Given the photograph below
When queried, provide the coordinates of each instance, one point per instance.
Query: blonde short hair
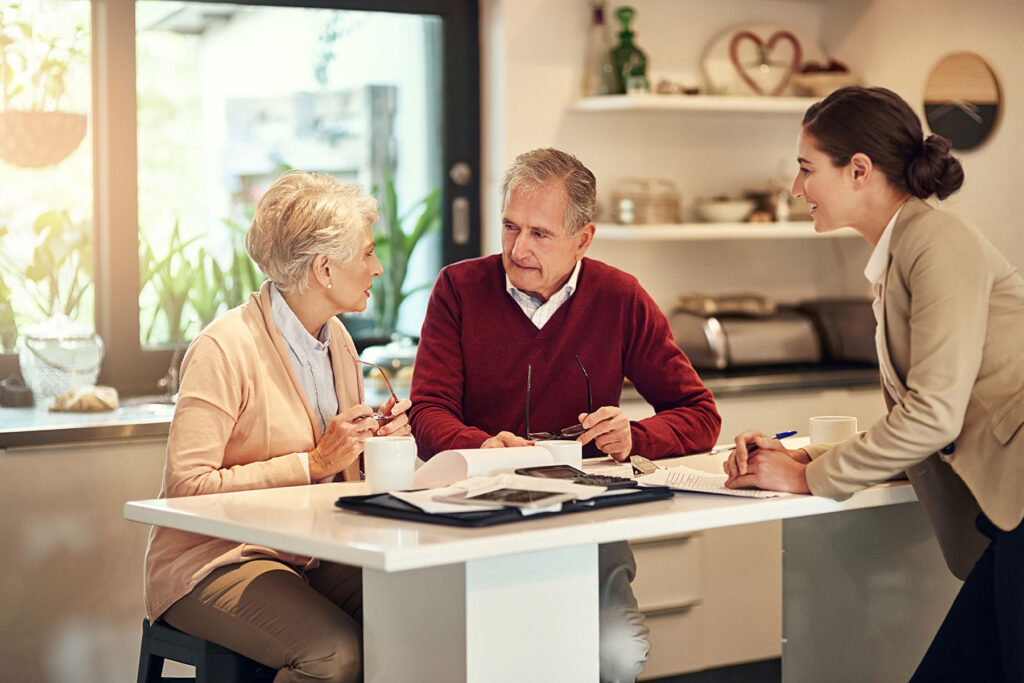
(302, 215)
(541, 167)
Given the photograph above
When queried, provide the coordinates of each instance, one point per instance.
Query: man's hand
(342, 442)
(608, 428)
(504, 440)
(768, 466)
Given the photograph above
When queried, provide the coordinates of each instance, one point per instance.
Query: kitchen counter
(747, 381)
(460, 596)
(789, 377)
(37, 426)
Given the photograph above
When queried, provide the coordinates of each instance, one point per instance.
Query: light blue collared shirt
(310, 357)
(540, 312)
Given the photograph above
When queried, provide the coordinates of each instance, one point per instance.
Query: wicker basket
(35, 139)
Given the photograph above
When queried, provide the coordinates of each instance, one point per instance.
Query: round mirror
(961, 99)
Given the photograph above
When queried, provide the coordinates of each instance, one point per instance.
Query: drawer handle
(670, 607)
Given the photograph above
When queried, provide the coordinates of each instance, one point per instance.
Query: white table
(518, 602)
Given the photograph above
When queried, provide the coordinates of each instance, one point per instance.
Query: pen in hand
(753, 447)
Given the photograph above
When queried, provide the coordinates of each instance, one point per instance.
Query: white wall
(532, 62)
(896, 44)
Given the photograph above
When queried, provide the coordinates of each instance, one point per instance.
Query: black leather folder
(386, 505)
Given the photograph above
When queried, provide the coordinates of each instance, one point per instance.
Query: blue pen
(753, 447)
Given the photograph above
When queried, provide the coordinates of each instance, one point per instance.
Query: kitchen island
(451, 604)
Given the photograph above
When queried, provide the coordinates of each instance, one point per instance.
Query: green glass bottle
(630, 61)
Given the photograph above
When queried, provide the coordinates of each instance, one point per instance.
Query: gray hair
(540, 167)
(302, 215)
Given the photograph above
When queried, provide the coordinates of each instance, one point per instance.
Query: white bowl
(724, 210)
(821, 83)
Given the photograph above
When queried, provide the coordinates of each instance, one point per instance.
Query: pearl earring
(329, 285)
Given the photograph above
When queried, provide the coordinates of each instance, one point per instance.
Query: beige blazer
(954, 339)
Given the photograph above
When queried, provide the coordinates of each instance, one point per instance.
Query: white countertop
(303, 519)
(36, 425)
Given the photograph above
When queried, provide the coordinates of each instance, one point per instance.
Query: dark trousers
(982, 636)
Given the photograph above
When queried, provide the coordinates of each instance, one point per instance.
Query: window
(197, 106)
(46, 213)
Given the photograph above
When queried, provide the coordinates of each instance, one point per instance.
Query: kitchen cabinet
(71, 587)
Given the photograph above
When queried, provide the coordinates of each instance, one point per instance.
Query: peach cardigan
(241, 421)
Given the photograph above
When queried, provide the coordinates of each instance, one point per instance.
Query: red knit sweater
(475, 345)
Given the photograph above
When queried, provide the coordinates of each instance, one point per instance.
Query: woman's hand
(342, 442)
(763, 462)
(608, 427)
(399, 424)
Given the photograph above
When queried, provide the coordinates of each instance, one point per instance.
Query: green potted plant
(56, 352)
(393, 352)
(59, 271)
(34, 74)
(395, 246)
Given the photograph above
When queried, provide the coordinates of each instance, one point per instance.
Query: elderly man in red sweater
(542, 304)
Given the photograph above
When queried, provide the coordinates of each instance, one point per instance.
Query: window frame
(129, 367)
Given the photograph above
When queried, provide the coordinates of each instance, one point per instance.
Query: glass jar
(58, 355)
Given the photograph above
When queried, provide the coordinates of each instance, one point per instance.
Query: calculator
(570, 473)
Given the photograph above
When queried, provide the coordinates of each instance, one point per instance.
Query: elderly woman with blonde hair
(271, 395)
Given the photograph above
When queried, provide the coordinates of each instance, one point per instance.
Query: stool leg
(151, 666)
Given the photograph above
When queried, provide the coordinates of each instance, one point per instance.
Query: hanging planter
(37, 63)
(36, 139)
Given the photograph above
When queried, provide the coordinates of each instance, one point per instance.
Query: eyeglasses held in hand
(570, 432)
(380, 417)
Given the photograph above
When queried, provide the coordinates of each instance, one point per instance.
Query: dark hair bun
(934, 170)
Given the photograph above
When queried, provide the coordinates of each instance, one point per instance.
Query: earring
(329, 285)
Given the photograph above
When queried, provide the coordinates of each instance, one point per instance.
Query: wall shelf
(715, 103)
(715, 231)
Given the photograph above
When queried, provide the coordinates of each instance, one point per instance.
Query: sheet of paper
(425, 499)
(607, 467)
(455, 465)
(683, 478)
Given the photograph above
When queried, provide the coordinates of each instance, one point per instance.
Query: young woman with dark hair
(950, 316)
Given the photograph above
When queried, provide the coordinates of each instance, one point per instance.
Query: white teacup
(832, 428)
(390, 462)
(564, 452)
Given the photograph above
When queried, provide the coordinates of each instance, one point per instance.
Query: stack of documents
(428, 499)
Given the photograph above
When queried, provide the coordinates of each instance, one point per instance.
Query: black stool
(213, 663)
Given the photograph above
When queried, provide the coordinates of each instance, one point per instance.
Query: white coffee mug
(564, 452)
(389, 462)
(832, 428)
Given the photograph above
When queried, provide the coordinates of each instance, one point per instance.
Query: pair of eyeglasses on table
(380, 417)
(568, 433)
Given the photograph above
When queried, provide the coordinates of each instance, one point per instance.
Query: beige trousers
(307, 625)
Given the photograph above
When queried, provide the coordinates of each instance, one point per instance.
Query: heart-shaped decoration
(764, 63)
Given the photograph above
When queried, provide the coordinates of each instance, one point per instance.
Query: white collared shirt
(540, 312)
(311, 359)
(875, 271)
